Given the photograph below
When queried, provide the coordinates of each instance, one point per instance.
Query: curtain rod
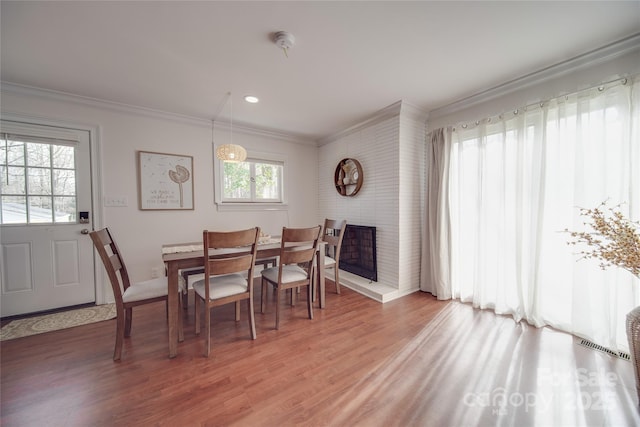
(600, 87)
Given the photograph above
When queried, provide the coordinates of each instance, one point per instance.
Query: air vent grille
(619, 354)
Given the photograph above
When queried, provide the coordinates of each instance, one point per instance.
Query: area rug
(52, 322)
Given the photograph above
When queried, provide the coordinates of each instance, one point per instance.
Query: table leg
(321, 276)
(172, 297)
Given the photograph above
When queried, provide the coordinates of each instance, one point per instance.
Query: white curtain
(516, 182)
(436, 236)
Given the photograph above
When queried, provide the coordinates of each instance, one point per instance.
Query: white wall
(390, 151)
(140, 234)
(411, 170)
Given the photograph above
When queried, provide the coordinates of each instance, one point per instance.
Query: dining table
(181, 256)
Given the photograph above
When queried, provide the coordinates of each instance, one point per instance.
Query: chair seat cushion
(290, 273)
(222, 286)
(146, 290)
(328, 261)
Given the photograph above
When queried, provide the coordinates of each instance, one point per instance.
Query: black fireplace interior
(358, 253)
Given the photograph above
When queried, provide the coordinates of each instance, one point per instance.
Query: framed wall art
(165, 181)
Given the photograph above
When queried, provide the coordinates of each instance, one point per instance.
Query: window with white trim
(257, 182)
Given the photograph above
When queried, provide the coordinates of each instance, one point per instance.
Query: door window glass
(37, 181)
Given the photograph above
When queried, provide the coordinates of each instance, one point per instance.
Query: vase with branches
(614, 240)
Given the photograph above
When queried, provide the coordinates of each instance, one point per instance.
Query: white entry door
(45, 216)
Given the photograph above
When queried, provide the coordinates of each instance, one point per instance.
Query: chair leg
(277, 307)
(207, 340)
(117, 352)
(237, 311)
(197, 309)
(252, 318)
(180, 320)
(314, 288)
(128, 314)
(263, 296)
(310, 301)
(337, 279)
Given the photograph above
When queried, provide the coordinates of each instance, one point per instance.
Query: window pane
(39, 181)
(15, 152)
(63, 157)
(12, 180)
(237, 183)
(14, 210)
(40, 209)
(38, 154)
(65, 209)
(64, 182)
(267, 181)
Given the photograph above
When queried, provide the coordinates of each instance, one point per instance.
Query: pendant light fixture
(231, 152)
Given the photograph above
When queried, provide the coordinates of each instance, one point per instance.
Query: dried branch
(613, 240)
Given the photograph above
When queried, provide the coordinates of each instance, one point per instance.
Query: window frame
(223, 203)
(50, 170)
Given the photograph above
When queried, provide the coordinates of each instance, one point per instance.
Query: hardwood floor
(415, 361)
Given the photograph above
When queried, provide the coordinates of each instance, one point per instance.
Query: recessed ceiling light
(251, 99)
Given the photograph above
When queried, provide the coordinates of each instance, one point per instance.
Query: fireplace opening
(358, 253)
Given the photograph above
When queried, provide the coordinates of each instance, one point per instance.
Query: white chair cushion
(145, 290)
(222, 286)
(290, 273)
(328, 261)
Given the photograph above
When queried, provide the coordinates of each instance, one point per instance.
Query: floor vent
(619, 354)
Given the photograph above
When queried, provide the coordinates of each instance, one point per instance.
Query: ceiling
(350, 59)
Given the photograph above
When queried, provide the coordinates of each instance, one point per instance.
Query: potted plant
(614, 240)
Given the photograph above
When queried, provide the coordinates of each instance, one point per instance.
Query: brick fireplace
(358, 253)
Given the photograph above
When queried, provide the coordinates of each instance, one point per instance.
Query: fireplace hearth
(358, 253)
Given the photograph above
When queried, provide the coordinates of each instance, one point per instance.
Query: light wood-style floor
(415, 361)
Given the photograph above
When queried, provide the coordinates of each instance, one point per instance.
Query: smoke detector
(284, 40)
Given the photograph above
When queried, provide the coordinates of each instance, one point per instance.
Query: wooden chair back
(299, 245)
(241, 247)
(113, 262)
(333, 234)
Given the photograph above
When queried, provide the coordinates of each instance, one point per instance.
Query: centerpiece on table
(614, 240)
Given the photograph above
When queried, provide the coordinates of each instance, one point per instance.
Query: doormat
(52, 322)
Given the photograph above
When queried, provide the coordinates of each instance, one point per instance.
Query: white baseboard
(374, 290)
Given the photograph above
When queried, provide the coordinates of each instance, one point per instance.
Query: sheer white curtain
(517, 181)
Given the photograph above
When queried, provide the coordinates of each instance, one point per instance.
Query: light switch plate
(115, 201)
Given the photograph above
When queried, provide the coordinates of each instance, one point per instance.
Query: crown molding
(587, 60)
(387, 112)
(414, 112)
(19, 89)
(31, 91)
(248, 129)
(394, 110)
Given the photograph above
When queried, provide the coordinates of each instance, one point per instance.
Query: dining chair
(187, 273)
(333, 234)
(127, 294)
(296, 268)
(228, 276)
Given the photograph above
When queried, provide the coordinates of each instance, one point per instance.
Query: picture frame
(165, 181)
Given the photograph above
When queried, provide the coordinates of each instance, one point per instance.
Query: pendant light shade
(231, 153)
